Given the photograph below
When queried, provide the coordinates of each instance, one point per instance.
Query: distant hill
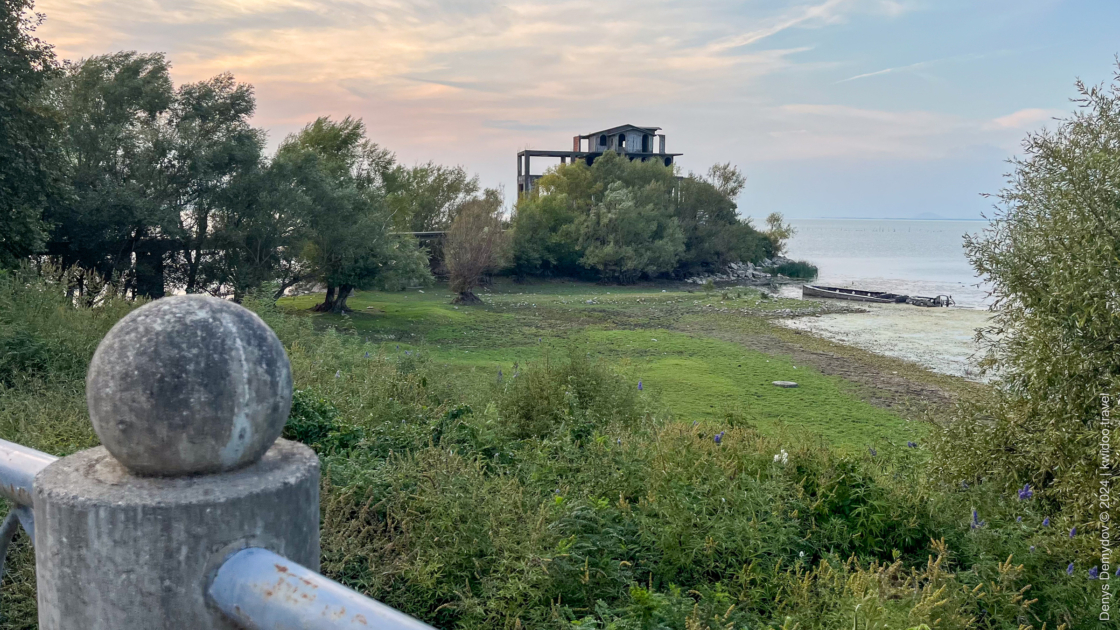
(929, 216)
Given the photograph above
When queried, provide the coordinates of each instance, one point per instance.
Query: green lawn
(638, 329)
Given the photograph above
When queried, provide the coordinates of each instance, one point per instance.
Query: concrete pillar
(188, 395)
(528, 175)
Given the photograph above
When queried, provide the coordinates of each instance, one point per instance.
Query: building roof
(620, 129)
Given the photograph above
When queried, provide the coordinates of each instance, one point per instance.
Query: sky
(832, 108)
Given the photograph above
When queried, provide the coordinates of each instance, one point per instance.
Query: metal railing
(254, 587)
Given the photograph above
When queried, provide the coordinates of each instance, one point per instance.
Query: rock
(785, 383)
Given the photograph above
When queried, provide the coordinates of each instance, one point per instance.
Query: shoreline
(939, 339)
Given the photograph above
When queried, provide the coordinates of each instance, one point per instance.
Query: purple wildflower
(1032, 548)
(1117, 572)
(873, 452)
(1018, 519)
(639, 384)
(1073, 532)
(1026, 493)
(1046, 522)
(1069, 569)
(719, 437)
(499, 375)
(407, 353)
(976, 522)
(367, 355)
(964, 484)
(1093, 573)
(911, 445)
(398, 346)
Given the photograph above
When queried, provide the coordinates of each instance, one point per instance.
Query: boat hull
(854, 295)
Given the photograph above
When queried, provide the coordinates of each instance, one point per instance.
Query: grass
(651, 330)
(559, 495)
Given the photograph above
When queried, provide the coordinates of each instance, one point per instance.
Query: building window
(645, 144)
(602, 139)
(622, 141)
(668, 161)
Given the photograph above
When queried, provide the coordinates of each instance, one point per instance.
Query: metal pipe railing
(262, 590)
(254, 587)
(18, 467)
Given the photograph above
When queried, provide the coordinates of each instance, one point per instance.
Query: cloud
(472, 81)
(1025, 118)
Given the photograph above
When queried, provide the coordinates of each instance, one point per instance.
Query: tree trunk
(340, 302)
(466, 297)
(149, 273)
(328, 301)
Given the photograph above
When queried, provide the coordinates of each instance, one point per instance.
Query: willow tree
(475, 245)
(348, 241)
(1052, 256)
(28, 133)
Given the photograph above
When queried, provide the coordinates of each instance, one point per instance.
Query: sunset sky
(833, 108)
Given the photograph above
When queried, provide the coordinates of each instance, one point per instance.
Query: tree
(216, 152)
(475, 245)
(29, 168)
(115, 149)
(779, 232)
(426, 197)
(715, 236)
(348, 241)
(568, 226)
(631, 233)
(1052, 257)
(727, 179)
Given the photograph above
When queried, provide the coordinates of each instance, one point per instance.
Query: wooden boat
(856, 295)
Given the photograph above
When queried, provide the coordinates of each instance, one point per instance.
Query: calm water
(901, 256)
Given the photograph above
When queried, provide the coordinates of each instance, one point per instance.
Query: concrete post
(188, 395)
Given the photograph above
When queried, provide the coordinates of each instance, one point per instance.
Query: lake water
(908, 257)
(900, 256)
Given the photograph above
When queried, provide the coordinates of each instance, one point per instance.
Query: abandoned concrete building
(632, 141)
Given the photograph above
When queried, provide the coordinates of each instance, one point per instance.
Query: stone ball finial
(189, 385)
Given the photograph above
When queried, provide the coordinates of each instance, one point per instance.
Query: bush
(620, 220)
(1051, 256)
(578, 394)
(796, 269)
(563, 497)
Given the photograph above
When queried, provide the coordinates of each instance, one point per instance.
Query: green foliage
(578, 394)
(796, 269)
(629, 234)
(315, 422)
(609, 513)
(115, 147)
(1052, 256)
(427, 197)
(29, 168)
(622, 220)
(778, 232)
(347, 243)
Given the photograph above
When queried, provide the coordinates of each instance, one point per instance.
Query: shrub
(315, 422)
(1051, 256)
(578, 393)
(475, 245)
(796, 269)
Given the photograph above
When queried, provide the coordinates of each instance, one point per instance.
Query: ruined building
(636, 143)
